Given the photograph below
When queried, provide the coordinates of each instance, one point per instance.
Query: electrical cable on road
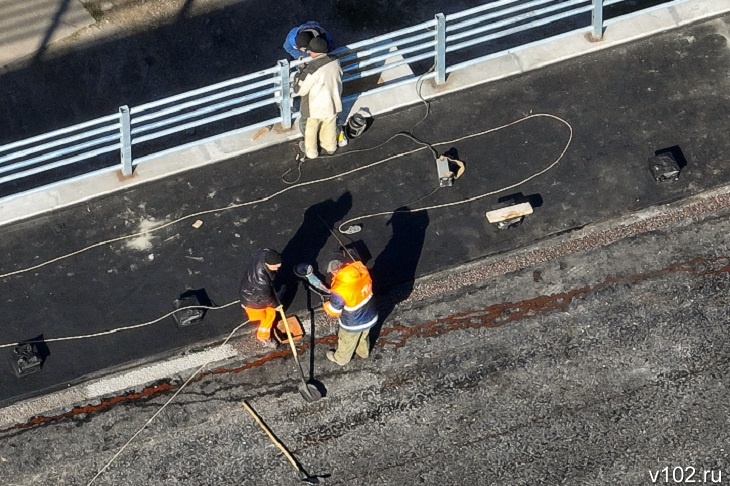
(407, 133)
(424, 145)
(149, 421)
(125, 328)
(339, 228)
(483, 195)
(207, 211)
(326, 179)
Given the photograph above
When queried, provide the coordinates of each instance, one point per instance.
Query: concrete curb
(59, 402)
(523, 59)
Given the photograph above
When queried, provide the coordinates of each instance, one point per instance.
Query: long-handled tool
(303, 475)
(312, 283)
(342, 245)
(308, 390)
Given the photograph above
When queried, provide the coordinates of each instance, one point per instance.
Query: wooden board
(509, 212)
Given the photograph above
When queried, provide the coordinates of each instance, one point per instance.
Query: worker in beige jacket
(320, 85)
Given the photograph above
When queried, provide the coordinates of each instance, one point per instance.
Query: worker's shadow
(394, 269)
(307, 243)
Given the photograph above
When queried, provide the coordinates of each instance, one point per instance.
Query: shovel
(309, 391)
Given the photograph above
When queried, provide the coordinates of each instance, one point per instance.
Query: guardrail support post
(285, 103)
(440, 49)
(597, 20)
(125, 125)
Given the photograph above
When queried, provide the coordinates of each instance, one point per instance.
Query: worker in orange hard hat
(257, 292)
(351, 301)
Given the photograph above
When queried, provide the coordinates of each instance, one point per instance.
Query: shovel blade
(309, 392)
(306, 478)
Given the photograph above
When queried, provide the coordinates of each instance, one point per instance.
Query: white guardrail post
(597, 19)
(125, 129)
(285, 103)
(440, 48)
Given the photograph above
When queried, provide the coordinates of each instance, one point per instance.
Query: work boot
(331, 357)
(267, 344)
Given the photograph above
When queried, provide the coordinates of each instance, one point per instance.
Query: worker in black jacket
(257, 291)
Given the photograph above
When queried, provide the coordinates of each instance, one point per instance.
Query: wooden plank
(509, 212)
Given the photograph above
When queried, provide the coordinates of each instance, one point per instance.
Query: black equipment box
(663, 167)
(187, 316)
(26, 359)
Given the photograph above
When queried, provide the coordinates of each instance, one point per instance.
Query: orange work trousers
(266, 317)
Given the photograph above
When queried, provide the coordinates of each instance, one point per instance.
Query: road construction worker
(298, 39)
(351, 301)
(257, 292)
(319, 84)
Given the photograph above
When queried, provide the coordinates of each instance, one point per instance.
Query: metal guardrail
(263, 93)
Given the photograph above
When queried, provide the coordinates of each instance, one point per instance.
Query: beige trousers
(322, 129)
(349, 342)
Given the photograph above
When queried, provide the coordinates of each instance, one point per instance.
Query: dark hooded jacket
(257, 285)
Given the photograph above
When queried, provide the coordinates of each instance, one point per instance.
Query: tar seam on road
(149, 421)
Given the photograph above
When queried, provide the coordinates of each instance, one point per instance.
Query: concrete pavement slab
(27, 28)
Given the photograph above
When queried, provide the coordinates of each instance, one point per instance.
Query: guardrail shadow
(68, 86)
(29, 26)
(65, 86)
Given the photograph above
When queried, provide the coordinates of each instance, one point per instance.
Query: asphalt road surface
(624, 104)
(597, 368)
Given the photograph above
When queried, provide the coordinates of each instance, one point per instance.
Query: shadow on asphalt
(395, 267)
(308, 241)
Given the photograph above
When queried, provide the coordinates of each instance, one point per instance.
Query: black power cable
(404, 133)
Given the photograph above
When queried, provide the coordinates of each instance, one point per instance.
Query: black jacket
(257, 285)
